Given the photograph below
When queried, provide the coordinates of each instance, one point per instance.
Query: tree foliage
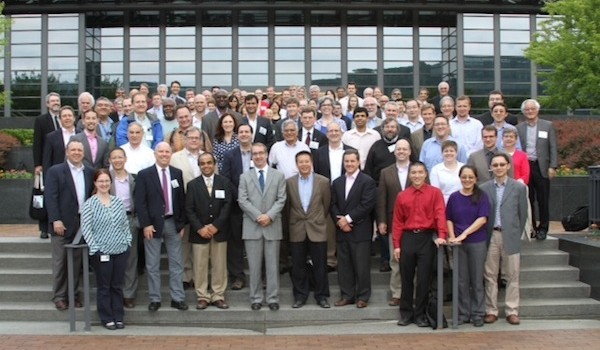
(4, 28)
(568, 45)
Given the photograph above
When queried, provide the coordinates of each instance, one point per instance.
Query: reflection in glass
(289, 54)
(251, 41)
(62, 63)
(143, 67)
(253, 54)
(111, 68)
(185, 80)
(362, 41)
(253, 80)
(143, 55)
(112, 42)
(63, 36)
(398, 54)
(430, 55)
(479, 49)
(289, 79)
(289, 41)
(397, 41)
(326, 54)
(325, 41)
(362, 66)
(513, 49)
(143, 42)
(478, 21)
(479, 36)
(216, 41)
(326, 67)
(254, 67)
(290, 67)
(63, 22)
(26, 50)
(514, 22)
(180, 54)
(26, 23)
(181, 67)
(362, 54)
(514, 36)
(216, 54)
(181, 41)
(63, 49)
(217, 67)
(25, 64)
(27, 37)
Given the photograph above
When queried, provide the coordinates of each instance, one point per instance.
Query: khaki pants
(510, 270)
(215, 253)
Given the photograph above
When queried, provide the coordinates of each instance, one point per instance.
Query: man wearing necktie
(261, 196)
(43, 125)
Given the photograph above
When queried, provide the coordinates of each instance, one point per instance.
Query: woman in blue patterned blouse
(225, 138)
(105, 227)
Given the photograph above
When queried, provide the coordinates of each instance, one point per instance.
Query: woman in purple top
(467, 212)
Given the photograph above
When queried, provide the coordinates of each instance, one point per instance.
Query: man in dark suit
(538, 139)
(160, 206)
(235, 163)
(324, 157)
(208, 202)
(308, 200)
(222, 104)
(94, 156)
(353, 198)
(206, 122)
(68, 185)
(56, 141)
(262, 130)
(392, 180)
(508, 198)
(312, 137)
(43, 125)
(494, 97)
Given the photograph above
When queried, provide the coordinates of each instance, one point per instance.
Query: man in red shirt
(419, 214)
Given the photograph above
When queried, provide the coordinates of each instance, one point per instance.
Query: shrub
(15, 174)
(7, 142)
(25, 136)
(578, 142)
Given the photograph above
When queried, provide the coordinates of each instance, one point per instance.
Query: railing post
(71, 281)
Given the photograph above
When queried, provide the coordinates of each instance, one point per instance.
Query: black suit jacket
(263, 132)
(316, 136)
(359, 205)
(321, 161)
(54, 149)
(42, 126)
(60, 197)
(203, 208)
(404, 131)
(149, 201)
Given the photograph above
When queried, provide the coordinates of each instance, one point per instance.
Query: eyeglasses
(496, 165)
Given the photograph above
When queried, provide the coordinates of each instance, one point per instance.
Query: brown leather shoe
(361, 304)
(78, 303)
(343, 302)
(489, 318)
(513, 319)
(202, 304)
(394, 302)
(129, 303)
(221, 304)
(237, 285)
(61, 305)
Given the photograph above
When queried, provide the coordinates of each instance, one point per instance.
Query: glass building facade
(96, 46)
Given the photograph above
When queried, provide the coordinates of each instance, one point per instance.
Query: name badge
(104, 258)
(543, 134)
(220, 194)
(149, 136)
(391, 148)
(174, 183)
(314, 145)
(262, 130)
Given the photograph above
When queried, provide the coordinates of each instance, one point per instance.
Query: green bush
(25, 136)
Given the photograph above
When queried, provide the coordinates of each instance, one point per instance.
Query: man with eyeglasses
(538, 139)
(508, 215)
(373, 113)
(482, 159)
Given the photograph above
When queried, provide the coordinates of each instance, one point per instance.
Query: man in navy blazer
(68, 185)
(235, 163)
(353, 198)
(261, 127)
(162, 218)
(56, 141)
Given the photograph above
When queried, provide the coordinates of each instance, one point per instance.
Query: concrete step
(549, 274)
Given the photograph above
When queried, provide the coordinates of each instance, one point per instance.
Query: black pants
(300, 271)
(235, 246)
(417, 253)
(354, 269)
(109, 280)
(539, 188)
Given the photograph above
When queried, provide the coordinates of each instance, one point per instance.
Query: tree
(4, 28)
(568, 44)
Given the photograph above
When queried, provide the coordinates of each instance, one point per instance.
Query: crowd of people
(306, 183)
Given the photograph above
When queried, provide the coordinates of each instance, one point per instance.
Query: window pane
(254, 67)
(216, 67)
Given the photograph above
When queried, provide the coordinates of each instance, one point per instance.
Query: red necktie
(308, 139)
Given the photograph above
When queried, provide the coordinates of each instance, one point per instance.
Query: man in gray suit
(482, 159)
(538, 139)
(261, 197)
(95, 149)
(508, 199)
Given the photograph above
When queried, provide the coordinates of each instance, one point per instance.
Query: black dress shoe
(541, 235)
(256, 306)
(404, 322)
(188, 285)
(331, 268)
(324, 303)
(119, 325)
(154, 306)
(385, 267)
(237, 285)
(298, 304)
(478, 323)
(110, 326)
(44, 235)
(422, 323)
(179, 305)
(274, 306)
